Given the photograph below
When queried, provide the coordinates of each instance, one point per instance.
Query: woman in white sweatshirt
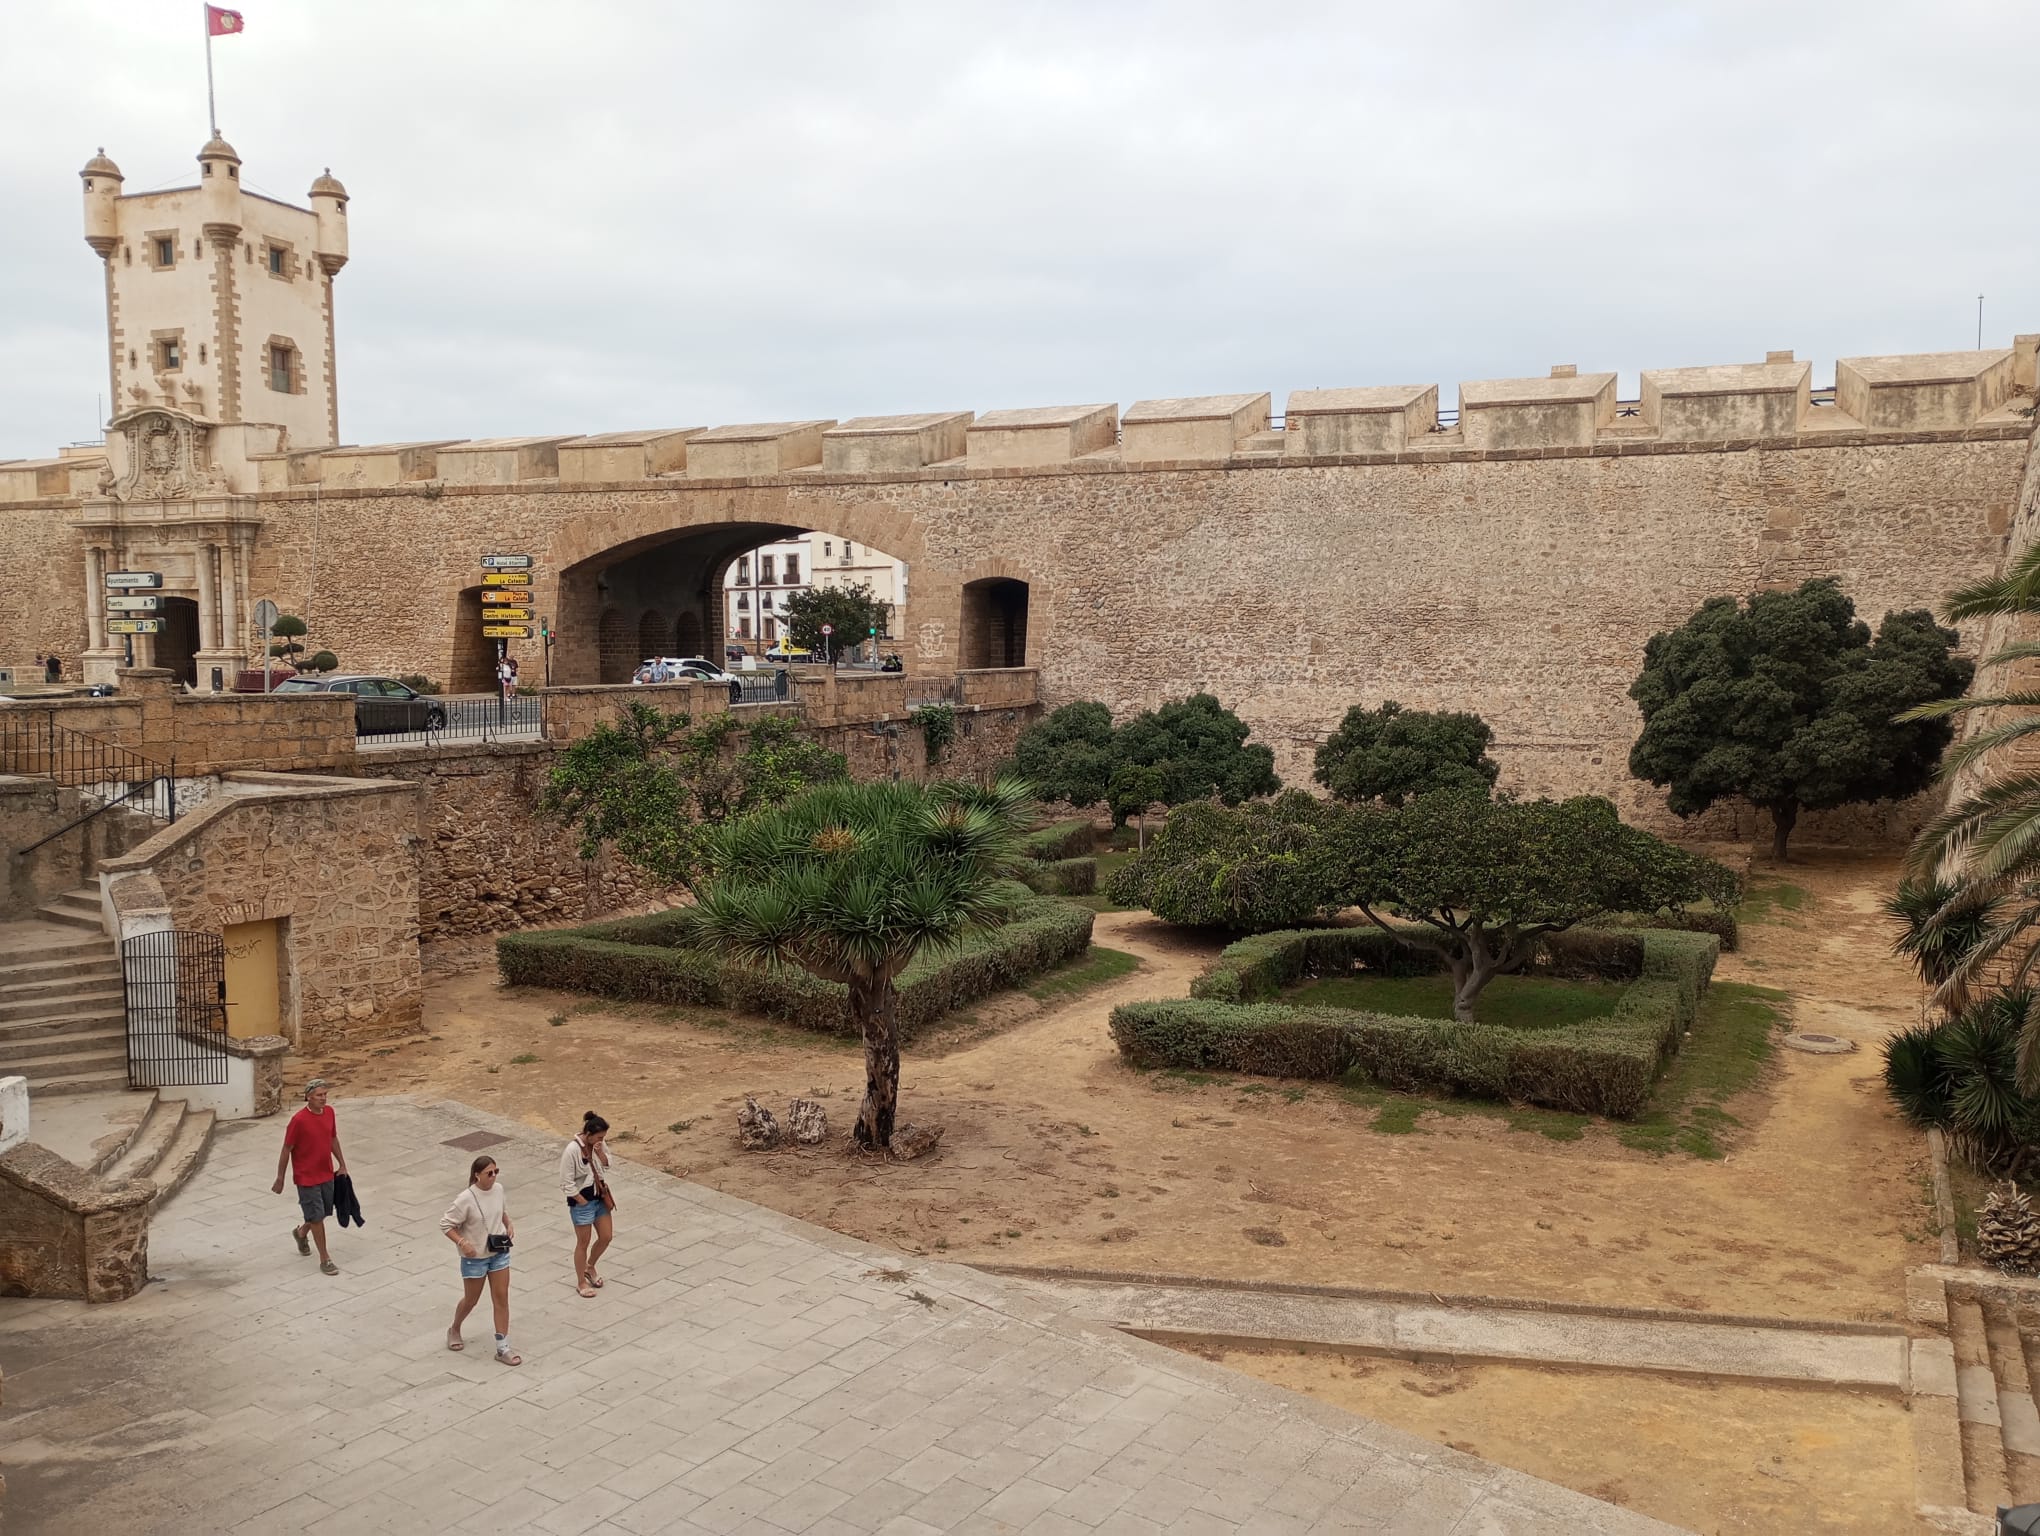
(478, 1224)
(584, 1180)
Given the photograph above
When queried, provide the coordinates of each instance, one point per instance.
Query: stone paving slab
(1403, 1328)
(741, 1372)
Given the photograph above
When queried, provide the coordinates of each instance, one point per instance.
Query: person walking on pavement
(312, 1156)
(478, 1223)
(584, 1164)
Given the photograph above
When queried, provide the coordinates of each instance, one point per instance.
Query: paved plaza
(740, 1372)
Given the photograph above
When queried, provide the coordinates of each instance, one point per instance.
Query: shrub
(1062, 877)
(635, 959)
(1600, 1066)
(418, 682)
(1249, 867)
(1063, 840)
(1962, 1075)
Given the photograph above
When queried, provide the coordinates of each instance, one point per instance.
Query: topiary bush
(1247, 868)
(636, 959)
(1599, 1066)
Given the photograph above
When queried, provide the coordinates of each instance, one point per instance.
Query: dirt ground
(1726, 1457)
(1056, 1154)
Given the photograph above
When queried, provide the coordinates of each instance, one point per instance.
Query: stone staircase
(166, 1148)
(1997, 1360)
(63, 1024)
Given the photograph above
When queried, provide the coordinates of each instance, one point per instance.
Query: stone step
(186, 1151)
(91, 1052)
(1984, 1468)
(46, 961)
(94, 1080)
(76, 909)
(99, 1001)
(2018, 1416)
(35, 1034)
(147, 1146)
(71, 976)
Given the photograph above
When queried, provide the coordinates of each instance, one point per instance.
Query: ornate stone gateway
(169, 457)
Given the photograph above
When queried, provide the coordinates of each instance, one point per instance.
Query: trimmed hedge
(1600, 1066)
(1062, 877)
(636, 959)
(1705, 919)
(1063, 840)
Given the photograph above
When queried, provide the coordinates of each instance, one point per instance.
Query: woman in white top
(584, 1170)
(478, 1224)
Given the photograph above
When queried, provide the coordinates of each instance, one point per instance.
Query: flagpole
(211, 112)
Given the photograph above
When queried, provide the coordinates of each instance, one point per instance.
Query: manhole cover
(1820, 1045)
(474, 1141)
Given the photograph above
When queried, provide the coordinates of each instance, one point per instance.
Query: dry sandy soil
(1709, 1456)
(1056, 1154)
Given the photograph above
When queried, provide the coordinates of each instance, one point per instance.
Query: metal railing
(432, 720)
(34, 746)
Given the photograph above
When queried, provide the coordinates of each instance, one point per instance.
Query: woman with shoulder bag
(584, 1166)
(478, 1224)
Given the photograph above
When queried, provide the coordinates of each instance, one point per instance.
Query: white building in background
(758, 583)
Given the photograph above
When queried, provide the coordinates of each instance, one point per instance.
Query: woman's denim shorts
(487, 1264)
(587, 1215)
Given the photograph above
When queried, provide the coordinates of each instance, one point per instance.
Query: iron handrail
(33, 745)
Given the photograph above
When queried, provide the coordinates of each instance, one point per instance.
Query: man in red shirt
(311, 1153)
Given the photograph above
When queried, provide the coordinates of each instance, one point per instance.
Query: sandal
(585, 1288)
(454, 1340)
(505, 1355)
(328, 1267)
(594, 1279)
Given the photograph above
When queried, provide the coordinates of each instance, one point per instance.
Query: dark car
(381, 704)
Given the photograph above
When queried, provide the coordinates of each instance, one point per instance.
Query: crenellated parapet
(1731, 406)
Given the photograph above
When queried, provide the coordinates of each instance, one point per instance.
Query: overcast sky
(569, 217)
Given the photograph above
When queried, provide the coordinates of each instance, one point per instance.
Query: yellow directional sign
(506, 615)
(506, 578)
(507, 631)
(134, 626)
(506, 595)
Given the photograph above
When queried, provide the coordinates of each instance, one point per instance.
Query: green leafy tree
(1199, 748)
(851, 610)
(654, 786)
(1249, 868)
(1068, 755)
(1788, 702)
(1479, 881)
(1392, 754)
(850, 882)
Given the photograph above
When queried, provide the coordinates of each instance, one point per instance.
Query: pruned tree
(653, 785)
(850, 882)
(288, 631)
(853, 614)
(1068, 755)
(1788, 702)
(1392, 754)
(1248, 868)
(1479, 881)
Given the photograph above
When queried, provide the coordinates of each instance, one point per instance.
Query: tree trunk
(1783, 814)
(876, 1008)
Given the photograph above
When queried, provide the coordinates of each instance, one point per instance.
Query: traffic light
(874, 629)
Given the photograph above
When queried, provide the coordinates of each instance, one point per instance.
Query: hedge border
(1599, 1066)
(1061, 840)
(1061, 877)
(637, 959)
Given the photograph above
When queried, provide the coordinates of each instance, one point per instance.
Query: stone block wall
(337, 860)
(33, 809)
(66, 1236)
(205, 734)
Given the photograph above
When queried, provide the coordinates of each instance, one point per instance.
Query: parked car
(687, 669)
(735, 652)
(381, 704)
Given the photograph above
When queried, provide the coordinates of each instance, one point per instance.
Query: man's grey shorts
(316, 1201)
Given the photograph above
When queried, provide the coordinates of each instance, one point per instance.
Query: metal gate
(176, 987)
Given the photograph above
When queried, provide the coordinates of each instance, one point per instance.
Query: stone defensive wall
(1512, 556)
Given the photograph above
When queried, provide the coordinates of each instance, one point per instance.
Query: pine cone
(2007, 1232)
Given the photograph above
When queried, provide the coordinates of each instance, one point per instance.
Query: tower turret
(329, 202)
(219, 189)
(102, 186)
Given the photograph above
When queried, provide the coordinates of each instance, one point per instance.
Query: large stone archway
(617, 572)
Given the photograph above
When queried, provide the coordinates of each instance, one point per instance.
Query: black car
(381, 704)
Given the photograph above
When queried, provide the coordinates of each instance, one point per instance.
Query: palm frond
(2017, 591)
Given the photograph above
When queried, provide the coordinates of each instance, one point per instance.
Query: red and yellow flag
(219, 22)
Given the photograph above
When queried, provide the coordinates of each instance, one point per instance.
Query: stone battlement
(1729, 407)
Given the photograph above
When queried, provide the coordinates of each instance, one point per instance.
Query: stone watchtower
(219, 331)
(219, 301)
